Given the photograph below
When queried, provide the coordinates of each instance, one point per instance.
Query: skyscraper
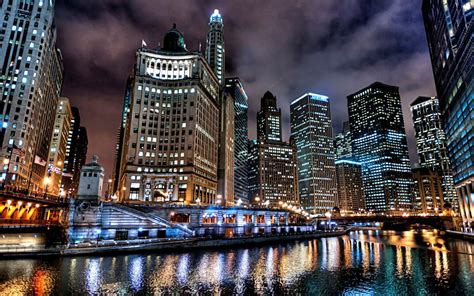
(233, 86)
(31, 76)
(350, 189)
(215, 56)
(311, 131)
(172, 127)
(122, 137)
(428, 191)
(273, 175)
(431, 143)
(76, 152)
(449, 31)
(215, 51)
(379, 143)
(343, 143)
(58, 146)
(225, 172)
(269, 119)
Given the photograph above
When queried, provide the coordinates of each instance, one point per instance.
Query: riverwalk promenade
(158, 245)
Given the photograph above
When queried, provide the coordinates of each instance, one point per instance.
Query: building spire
(216, 17)
(215, 51)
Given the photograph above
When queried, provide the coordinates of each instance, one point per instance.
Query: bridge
(20, 209)
(398, 222)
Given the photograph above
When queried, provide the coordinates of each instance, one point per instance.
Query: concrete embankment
(173, 245)
(461, 235)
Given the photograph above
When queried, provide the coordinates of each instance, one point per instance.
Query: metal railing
(27, 223)
(33, 196)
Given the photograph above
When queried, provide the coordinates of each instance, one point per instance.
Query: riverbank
(461, 235)
(172, 245)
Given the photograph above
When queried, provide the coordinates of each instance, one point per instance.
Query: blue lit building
(233, 86)
(449, 31)
(311, 132)
(379, 143)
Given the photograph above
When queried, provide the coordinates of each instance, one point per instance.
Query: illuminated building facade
(350, 189)
(269, 119)
(379, 144)
(172, 127)
(58, 147)
(273, 174)
(225, 173)
(215, 56)
(431, 143)
(122, 137)
(449, 31)
(31, 76)
(215, 51)
(233, 86)
(76, 152)
(311, 132)
(343, 143)
(428, 191)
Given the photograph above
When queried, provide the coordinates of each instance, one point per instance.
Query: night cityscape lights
(203, 188)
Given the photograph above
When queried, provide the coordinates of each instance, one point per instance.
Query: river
(360, 263)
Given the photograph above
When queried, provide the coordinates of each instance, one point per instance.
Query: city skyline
(98, 88)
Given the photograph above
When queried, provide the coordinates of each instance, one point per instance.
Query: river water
(360, 263)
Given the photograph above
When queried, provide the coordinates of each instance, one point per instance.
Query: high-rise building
(76, 152)
(269, 120)
(311, 131)
(122, 137)
(58, 147)
(172, 127)
(379, 143)
(343, 143)
(215, 51)
(428, 191)
(31, 76)
(431, 143)
(215, 56)
(449, 30)
(225, 172)
(273, 175)
(350, 189)
(233, 86)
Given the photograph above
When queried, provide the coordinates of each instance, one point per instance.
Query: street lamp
(219, 199)
(257, 199)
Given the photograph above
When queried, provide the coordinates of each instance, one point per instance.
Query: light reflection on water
(372, 262)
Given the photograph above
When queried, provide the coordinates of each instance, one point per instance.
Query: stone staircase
(154, 218)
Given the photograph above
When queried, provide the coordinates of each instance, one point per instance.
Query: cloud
(288, 47)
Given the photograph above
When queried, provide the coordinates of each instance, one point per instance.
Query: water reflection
(359, 263)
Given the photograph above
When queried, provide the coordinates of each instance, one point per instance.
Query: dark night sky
(288, 47)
